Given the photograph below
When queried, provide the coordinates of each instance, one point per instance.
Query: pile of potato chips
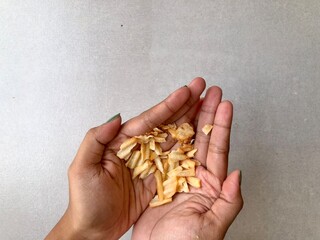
(174, 170)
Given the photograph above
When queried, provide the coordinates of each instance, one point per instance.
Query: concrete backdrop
(66, 66)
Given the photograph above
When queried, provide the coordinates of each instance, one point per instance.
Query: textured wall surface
(66, 66)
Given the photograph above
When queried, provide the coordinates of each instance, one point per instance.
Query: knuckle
(169, 107)
(208, 109)
(147, 119)
(91, 132)
(217, 149)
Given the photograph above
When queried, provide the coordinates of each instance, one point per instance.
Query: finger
(206, 116)
(228, 205)
(217, 158)
(158, 114)
(93, 145)
(196, 119)
(196, 88)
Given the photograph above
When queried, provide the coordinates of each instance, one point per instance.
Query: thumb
(93, 145)
(230, 201)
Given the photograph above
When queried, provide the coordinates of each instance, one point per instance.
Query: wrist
(64, 230)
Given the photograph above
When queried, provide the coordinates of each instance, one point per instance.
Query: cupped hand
(104, 201)
(207, 212)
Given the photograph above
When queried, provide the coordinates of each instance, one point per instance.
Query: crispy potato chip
(172, 165)
(158, 177)
(170, 181)
(145, 151)
(152, 144)
(187, 164)
(128, 142)
(158, 149)
(153, 155)
(186, 147)
(170, 187)
(191, 153)
(144, 174)
(198, 163)
(207, 129)
(182, 185)
(152, 169)
(168, 126)
(169, 192)
(133, 160)
(183, 133)
(157, 130)
(175, 172)
(186, 173)
(159, 139)
(175, 156)
(165, 169)
(158, 163)
(143, 139)
(162, 135)
(194, 182)
(139, 169)
(126, 147)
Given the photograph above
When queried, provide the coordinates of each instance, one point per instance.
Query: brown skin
(105, 202)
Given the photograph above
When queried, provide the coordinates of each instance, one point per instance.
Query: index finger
(158, 114)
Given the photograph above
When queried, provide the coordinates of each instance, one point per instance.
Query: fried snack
(207, 129)
(173, 170)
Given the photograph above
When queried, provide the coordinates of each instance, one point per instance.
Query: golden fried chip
(158, 163)
(191, 153)
(175, 156)
(139, 169)
(158, 149)
(186, 147)
(207, 129)
(182, 185)
(152, 144)
(183, 133)
(158, 177)
(159, 139)
(175, 172)
(126, 147)
(187, 164)
(186, 173)
(194, 182)
(133, 160)
(128, 142)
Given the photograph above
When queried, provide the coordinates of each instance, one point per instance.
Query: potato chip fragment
(126, 147)
(159, 165)
(158, 177)
(207, 129)
(133, 160)
(139, 169)
(194, 182)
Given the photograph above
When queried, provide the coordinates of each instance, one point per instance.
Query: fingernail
(240, 177)
(114, 117)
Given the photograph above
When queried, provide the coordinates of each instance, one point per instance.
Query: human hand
(207, 212)
(104, 201)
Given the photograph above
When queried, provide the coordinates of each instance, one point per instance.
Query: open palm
(204, 213)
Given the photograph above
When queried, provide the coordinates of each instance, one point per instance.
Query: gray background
(66, 66)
